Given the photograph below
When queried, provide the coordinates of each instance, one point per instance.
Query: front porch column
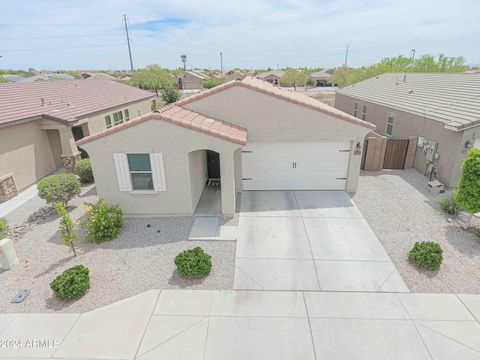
(70, 153)
(227, 174)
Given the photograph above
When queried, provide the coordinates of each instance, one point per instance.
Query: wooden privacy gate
(395, 154)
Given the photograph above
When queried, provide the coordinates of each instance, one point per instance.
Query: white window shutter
(158, 172)
(123, 173)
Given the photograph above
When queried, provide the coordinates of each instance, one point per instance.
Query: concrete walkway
(309, 240)
(248, 325)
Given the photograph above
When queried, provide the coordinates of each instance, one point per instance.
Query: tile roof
(67, 100)
(453, 99)
(182, 117)
(277, 73)
(291, 96)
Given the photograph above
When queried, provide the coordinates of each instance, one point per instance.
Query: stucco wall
(198, 174)
(25, 152)
(96, 122)
(407, 125)
(269, 118)
(175, 143)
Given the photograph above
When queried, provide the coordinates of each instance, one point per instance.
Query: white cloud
(249, 33)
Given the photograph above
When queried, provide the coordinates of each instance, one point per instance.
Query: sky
(85, 34)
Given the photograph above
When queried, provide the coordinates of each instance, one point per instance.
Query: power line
(58, 36)
(61, 48)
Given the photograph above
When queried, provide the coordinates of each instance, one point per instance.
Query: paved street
(234, 325)
(309, 240)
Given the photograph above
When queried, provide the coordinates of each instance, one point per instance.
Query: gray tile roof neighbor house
(453, 99)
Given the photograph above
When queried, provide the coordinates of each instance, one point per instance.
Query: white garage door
(320, 165)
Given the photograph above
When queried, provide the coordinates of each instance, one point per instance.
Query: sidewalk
(233, 325)
(17, 201)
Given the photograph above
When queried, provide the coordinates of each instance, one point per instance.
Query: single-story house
(189, 80)
(48, 76)
(441, 110)
(12, 77)
(40, 121)
(321, 78)
(244, 134)
(273, 76)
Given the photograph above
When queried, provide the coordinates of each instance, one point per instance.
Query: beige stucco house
(189, 80)
(272, 76)
(245, 134)
(441, 110)
(40, 122)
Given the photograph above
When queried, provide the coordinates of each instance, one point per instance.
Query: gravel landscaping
(401, 211)
(141, 258)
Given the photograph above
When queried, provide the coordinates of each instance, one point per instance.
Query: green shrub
(212, 82)
(83, 168)
(170, 94)
(103, 221)
(4, 230)
(193, 263)
(426, 254)
(59, 187)
(450, 205)
(72, 283)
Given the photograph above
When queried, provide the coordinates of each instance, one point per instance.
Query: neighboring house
(321, 78)
(247, 135)
(40, 121)
(443, 110)
(189, 80)
(45, 77)
(98, 75)
(273, 77)
(12, 77)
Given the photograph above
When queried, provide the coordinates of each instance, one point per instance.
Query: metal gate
(395, 154)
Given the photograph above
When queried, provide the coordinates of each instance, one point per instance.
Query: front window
(355, 110)
(117, 117)
(108, 121)
(140, 171)
(127, 114)
(390, 121)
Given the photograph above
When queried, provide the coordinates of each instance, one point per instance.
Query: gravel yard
(141, 258)
(401, 211)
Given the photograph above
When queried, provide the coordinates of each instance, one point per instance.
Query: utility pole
(221, 64)
(184, 61)
(128, 42)
(346, 57)
(413, 55)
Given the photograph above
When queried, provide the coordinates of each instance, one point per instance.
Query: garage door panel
(321, 165)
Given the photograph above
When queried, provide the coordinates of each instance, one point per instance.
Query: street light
(184, 61)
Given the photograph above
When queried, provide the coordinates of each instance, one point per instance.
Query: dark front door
(213, 164)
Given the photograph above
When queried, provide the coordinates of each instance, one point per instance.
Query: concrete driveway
(309, 240)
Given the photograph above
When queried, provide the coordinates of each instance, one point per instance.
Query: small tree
(68, 228)
(170, 94)
(153, 77)
(59, 187)
(468, 191)
(294, 77)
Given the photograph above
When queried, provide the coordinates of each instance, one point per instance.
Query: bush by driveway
(401, 211)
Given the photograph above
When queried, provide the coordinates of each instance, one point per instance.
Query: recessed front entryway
(309, 240)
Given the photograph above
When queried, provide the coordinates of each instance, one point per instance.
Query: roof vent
(42, 101)
(68, 104)
(404, 77)
(410, 91)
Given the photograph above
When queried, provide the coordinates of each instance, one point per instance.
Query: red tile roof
(64, 99)
(185, 118)
(291, 96)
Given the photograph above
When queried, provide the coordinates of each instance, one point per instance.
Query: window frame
(364, 112)
(126, 114)
(131, 172)
(117, 117)
(390, 124)
(108, 121)
(355, 109)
